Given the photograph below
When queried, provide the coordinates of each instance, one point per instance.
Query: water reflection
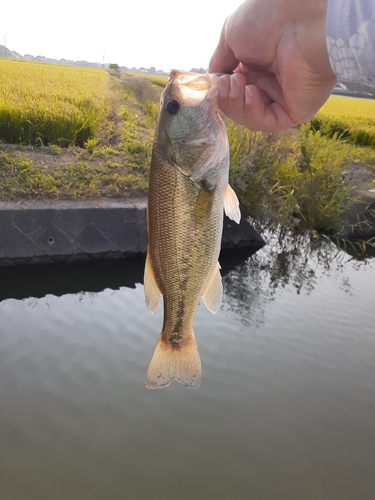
(290, 259)
(63, 278)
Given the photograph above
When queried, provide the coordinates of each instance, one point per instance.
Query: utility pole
(103, 57)
(5, 46)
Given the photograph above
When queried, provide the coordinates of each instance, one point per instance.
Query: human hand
(276, 62)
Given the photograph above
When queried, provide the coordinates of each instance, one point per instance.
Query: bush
(290, 174)
(141, 88)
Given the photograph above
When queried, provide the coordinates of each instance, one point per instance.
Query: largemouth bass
(187, 193)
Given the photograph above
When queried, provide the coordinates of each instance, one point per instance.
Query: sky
(176, 34)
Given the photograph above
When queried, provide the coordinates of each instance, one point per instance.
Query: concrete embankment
(66, 231)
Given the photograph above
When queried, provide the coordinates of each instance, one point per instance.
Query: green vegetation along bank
(296, 175)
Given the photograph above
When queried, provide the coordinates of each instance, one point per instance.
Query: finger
(264, 114)
(223, 59)
(250, 106)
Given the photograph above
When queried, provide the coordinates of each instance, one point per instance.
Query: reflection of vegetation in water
(290, 259)
(243, 291)
(359, 249)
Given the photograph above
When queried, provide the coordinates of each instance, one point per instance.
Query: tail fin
(170, 363)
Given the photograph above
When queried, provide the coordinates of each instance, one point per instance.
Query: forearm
(350, 35)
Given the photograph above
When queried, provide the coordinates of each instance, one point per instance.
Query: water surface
(286, 409)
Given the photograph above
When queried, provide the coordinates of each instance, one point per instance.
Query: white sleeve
(350, 35)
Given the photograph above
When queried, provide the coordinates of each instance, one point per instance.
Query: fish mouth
(195, 87)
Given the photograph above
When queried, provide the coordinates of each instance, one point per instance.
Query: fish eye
(173, 107)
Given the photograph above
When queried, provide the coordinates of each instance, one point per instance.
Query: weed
(151, 110)
(291, 174)
(90, 145)
(159, 81)
(140, 87)
(54, 149)
(21, 176)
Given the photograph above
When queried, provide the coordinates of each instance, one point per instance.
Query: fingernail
(235, 87)
(248, 95)
(223, 86)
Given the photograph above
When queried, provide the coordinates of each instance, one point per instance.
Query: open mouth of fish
(195, 87)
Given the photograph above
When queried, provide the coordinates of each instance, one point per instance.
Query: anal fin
(151, 289)
(213, 294)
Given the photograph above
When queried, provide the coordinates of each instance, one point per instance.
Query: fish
(188, 190)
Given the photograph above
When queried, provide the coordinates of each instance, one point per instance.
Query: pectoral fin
(151, 289)
(231, 205)
(213, 294)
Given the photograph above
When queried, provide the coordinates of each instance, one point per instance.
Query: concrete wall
(36, 233)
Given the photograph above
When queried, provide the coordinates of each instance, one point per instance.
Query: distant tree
(114, 70)
(198, 70)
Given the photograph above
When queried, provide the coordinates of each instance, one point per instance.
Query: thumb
(223, 59)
